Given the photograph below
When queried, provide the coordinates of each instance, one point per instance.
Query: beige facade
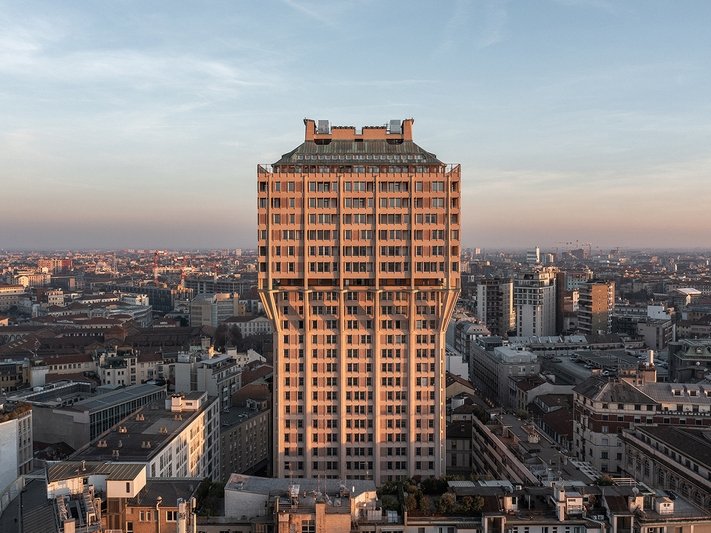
(359, 242)
(10, 296)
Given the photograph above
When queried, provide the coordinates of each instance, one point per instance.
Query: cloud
(486, 22)
(317, 14)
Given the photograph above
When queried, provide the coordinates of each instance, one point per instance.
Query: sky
(140, 124)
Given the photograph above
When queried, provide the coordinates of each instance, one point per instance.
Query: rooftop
(142, 435)
(278, 486)
(73, 469)
(109, 399)
(691, 442)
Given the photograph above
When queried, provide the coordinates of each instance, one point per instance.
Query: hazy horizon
(137, 125)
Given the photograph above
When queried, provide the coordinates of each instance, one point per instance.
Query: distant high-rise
(533, 257)
(535, 302)
(595, 306)
(494, 305)
(359, 250)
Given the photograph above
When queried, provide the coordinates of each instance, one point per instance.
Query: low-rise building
(70, 413)
(98, 496)
(492, 366)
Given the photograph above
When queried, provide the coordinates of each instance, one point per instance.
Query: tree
(604, 481)
(472, 504)
(446, 503)
(410, 503)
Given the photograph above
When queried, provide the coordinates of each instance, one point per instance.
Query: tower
(535, 302)
(596, 304)
(359, 245)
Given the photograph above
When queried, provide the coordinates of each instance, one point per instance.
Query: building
(245, 435)
(466, 332)
(359, 245)
(689, 360)
(15, 442)
(657, 334)
(162, 299)
(10, 296)
(494, 305)
(669, 457)
(595, 306)
(213, 309)
(604, 408)
(218, 375)
(213, 284)
(251, 325)
(100, 496)
(535, 302)
(492, 366)
(175, 437)
(292, 504)
(459, 447)
(69, 413)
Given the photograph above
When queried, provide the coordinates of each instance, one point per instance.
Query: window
(129, 527)
(171, 516)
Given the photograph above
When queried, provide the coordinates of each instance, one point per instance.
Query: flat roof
(113, 471)
(116, 397)
(278, 486)
(144, 436)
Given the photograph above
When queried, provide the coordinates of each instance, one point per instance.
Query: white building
(535, 302)
(177, 437)
(15, 442)
(251, 325)
(212, 309)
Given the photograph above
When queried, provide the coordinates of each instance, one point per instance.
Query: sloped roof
(358, 152)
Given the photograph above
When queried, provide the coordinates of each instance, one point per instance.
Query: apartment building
(175, 437)
(604, 408)
(359, 244)
(670, 457)
(535, 302)
(494, 305)
(596, 304)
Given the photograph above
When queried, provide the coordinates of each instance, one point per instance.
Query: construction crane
(155, 268)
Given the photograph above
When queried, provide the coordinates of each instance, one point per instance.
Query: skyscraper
(359, 249)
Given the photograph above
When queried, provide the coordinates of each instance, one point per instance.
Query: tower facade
(359, 244)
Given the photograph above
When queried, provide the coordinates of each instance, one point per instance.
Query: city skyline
(141, 126)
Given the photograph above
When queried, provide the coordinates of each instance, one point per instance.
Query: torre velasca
(359, 245)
